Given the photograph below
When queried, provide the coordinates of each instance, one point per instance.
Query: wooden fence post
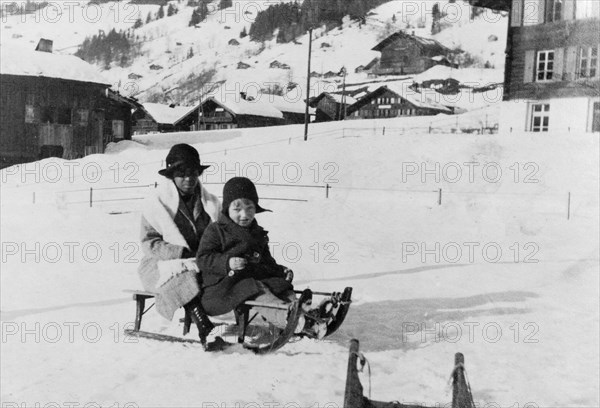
(91, 196)
(327, 187)
(461, 391)
(353, 393)
(439, 196)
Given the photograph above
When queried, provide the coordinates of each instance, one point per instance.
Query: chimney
(413, 33)
(44, 45)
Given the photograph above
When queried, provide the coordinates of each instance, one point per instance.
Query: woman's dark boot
(200, 319)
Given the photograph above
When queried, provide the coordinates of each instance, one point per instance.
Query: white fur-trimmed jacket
(166, 229)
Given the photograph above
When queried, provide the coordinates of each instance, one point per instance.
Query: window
(545, 65)
(588, 62)
(553, 10)
(32, 114)
(63, 116)
(540, 117)
(80, 117)
(47, 115)
(118, 129)
(531, 12)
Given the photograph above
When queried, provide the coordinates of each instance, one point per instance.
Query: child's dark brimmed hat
(240, 187)
(182, 156)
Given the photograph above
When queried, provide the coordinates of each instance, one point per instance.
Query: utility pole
(306, 115)
(344, 93)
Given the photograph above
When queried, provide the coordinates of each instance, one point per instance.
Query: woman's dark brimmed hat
(240, 187)
(182, 156)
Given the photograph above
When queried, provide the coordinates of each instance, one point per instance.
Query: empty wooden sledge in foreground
(354, 398)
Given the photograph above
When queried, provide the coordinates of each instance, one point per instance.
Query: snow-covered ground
(505, 269)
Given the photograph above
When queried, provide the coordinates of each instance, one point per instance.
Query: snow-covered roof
(285, 104)
(20, 61)
(339, 98)
(403, 90)
(164, 114)
(427, 43)
(464, 75)
(416, 98)
(239, 106)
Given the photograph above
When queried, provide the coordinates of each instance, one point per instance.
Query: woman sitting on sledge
(173, 221)
(235, 261)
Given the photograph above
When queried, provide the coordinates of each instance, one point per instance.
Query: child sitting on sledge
(236, 263)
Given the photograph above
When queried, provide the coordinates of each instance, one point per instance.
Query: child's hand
(289, 274)
(237, 263)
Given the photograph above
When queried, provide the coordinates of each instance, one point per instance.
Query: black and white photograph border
(299, 203)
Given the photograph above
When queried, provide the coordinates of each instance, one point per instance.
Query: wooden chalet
(56, 105)
(159, 118)
(331, 106)
(403, 54)
(551, 70)
(230, 111)
(391, 101)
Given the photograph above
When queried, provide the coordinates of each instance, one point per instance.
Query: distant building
(331, 106)
(392, 101)
(234, 111)
(293, 109)
(234, 42)
(242, 65)
(155, 67)
(552, 65)
(56, 105)
(403, 54)
(159, 118)
(277, 64)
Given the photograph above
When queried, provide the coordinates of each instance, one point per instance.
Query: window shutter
(529, 65)
(557, 73)
(571, 63)
(517, 15)
(568, 9)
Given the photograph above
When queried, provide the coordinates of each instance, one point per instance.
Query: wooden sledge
(267, 343)
(354, 398)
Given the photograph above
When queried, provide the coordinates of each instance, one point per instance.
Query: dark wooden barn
(392, 102)
(56, 106)
(234, 111)
(293, 108)
(331, 106)
(403, 54)
(551, 71)
(159, 118)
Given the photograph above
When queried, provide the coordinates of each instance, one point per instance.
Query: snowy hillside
(187, 60)
(484, 244)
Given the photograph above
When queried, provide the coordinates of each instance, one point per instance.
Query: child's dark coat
(223, 240)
